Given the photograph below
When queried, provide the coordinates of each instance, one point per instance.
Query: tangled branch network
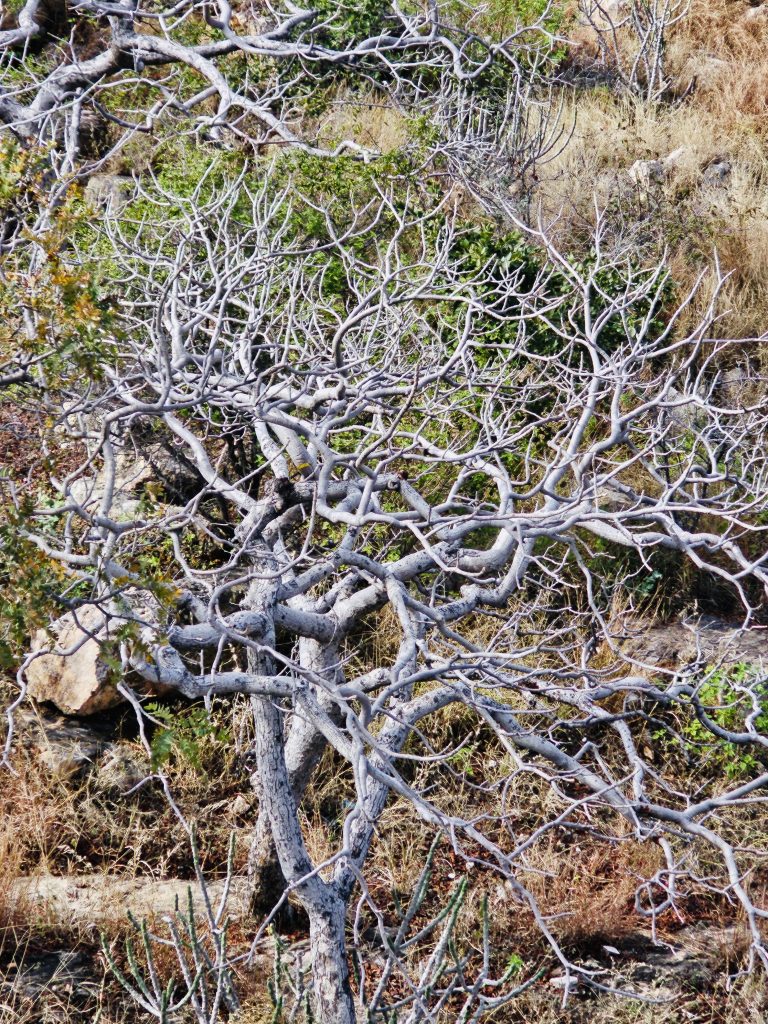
(239, 76)
(370, 423)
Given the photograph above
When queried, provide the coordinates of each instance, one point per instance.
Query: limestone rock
(121, 767)
(89, 900)
(136, 475)
(64, 746)
(130, 476)
(47, 987)
(717, 172)
(111, 192)
(681, 643)
(77, 682)
(647, 172)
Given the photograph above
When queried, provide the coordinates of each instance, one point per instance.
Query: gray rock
(136, 475)
(130, 476)
(646, 173)
(568, 984)
(97, 900)
(706, 638)
(111, 192)
(64, 746)
(755, 12)
(121, 767)
(717, 172)
(60, 972)
(734, 385)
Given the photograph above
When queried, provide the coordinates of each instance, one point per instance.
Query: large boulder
(74, 664)
(74, 676)
(111, 192)
(705, 639)
(153, 472)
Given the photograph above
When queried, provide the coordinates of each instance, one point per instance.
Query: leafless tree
(249, 64)
(631, 37)
(368, 418)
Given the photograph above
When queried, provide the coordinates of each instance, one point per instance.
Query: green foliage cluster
(484, 248)
(183, 733)
(346, 23)
(728, 697)
(29, 587)
(71, 320)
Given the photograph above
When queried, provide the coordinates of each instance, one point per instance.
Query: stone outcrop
(78, 682)
(706, 639)
(68, 747)
(98, 900)
(647, 173)
(74, 663)
(111, 192)
(661, 970)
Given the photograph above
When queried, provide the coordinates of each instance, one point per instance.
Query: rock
(61, 971)
(130, 476)
(52, 987)
(136, 477)
(78, 683)
(717, 171)
(708, 69)
(64, 746)
(111, 192)
(691, 960)
(656, 969)
(736, 387)
(568, 984)
(239, 807)
(674, 158)
(97, 900)
(756, 11)
(122, 767)
(68, 750)
(73, 670)
(611, 498)
(682, 410)
(647, 172)
(710, 639)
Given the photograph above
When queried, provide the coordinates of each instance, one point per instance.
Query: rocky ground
(64, 886)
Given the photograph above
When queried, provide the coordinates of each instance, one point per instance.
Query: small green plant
(727, 698)
(183, 733)
(287, 988)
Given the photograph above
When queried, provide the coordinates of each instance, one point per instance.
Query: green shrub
(727, 698)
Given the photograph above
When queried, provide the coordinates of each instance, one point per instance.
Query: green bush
(727, 698)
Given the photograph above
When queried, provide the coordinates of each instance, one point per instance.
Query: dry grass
(84, 823)
(369, 119)
(721, 47)
(723, 44)
(584, 884)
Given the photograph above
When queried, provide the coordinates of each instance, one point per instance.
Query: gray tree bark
(332, 996)
(304, 746)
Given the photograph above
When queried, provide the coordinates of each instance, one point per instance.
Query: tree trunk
(332, 997)
(304, 747)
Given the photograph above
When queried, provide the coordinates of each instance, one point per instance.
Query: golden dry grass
(721, 49)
